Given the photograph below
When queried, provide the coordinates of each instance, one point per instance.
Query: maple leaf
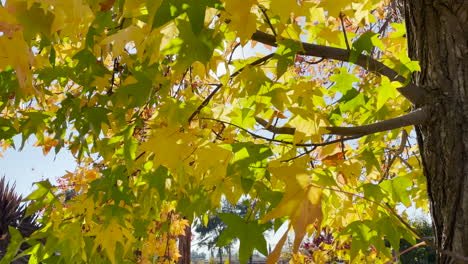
(301, 201)
(334, 7)
(108, 237)
(241, 19)
(20, 58)
(250, 234)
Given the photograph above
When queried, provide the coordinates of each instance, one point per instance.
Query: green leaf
(96, 116)
(157, 180)
(398, 189)
(168, 10)
(247, 162)
(365, 43)
(361, 233)
(195, 9)
(353, 104)
(34, 123)
(35, 19)
(373, 192)
(13, 246)
(285, 54)
(390, 229)
(187, 42)
(386, 91)
(343, 81)
(43, 187)
(7, 130)
(249, 233)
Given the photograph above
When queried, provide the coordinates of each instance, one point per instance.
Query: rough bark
(437, 36)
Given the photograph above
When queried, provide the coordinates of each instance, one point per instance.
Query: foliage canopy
(171, 105)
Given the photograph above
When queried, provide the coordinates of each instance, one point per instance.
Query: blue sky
(30, 165)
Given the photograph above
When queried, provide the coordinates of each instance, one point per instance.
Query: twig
(282, 141)
(218, 87)
(275, 129)
(115, 70)
(232, 52)
(181, 81)
(306, 152)
(276, 122)
(404, 138)
(344, 32)
(268, 20)
(416, 117)
(407, 250)
(315, 62)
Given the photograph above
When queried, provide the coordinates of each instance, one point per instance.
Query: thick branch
(283, 141)
(412, 92)
(274, 129)
(414, 118)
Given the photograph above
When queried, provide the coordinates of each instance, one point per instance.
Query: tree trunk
(437, 37)
(220, 252)
(184, 245)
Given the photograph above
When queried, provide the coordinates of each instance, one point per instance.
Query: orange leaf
(106, 5)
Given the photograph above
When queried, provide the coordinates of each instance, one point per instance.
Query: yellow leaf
(241, 18)
(350, 171)
(329, 150)
(308, 125)
(108, 238)
(334, 7)
(123, 37)
(213, 169)
(274, 256)
(301, 201)
(285, 9)
(14, 51)
(71, 18)
(170, 146)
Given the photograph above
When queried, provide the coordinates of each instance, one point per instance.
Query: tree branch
(414, 118)
(256, 136)
(218, 87)
(413, 93)
(275, 129)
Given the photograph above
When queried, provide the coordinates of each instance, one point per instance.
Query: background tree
(421, 254)
(210, 231)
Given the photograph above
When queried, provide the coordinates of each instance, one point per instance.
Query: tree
(166, 116)
(422, 254)
(212, 228)
(443, 77)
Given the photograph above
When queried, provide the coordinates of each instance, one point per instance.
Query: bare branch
(404, 139)
(414, 118)
(413, 93)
